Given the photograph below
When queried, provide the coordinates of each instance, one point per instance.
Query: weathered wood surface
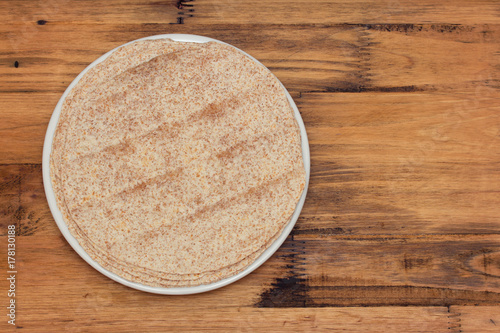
(458, 70)
(401, 227)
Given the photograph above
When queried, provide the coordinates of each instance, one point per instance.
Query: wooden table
(401, 228)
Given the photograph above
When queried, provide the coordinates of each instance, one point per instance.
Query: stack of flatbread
(177, 164)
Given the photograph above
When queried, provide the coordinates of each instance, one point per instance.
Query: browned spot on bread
(232, 151)
(154, 180)
(216, 110)
(123, 148)
(242, 146)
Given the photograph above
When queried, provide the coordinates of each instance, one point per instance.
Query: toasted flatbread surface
(177, 164)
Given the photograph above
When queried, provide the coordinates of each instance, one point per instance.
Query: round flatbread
(177, 164)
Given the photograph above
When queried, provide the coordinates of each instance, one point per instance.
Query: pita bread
(177, 164)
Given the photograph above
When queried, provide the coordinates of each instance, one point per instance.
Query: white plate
(161, 290)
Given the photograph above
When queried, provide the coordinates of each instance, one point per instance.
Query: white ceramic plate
(161, 290)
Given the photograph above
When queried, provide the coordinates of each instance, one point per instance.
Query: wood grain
(483, 319)
(91, 300)
(235, 12)
(315, 267)
(343, 58)
(400, 231)
(392, 163)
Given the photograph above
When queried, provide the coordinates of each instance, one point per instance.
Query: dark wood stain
(290, 290)
(411, 28)
(284, 292)
(353, 88)
(322, 231)
(14, 182)
(295, 288)
(414, 263)
(394, 27)
(334, 296)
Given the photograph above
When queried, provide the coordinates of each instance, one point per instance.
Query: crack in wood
(291, 290)
(411, 28)
(454, 320)
(322, 231)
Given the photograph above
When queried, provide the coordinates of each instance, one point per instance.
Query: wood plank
(468, 319)
(235, 12)
(307, 271)
(66, 271)
(23, 123)
(452, 56)
(92, 299)
(315, 267)
(56, 60)
(347, 58)
(325, 12)
(90, 315)
(408, 270)
(93, 11)
(391, 163)
(403, 162)
(337, 58)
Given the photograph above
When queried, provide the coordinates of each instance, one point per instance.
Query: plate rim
(49, 193)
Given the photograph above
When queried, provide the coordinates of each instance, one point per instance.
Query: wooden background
(401, 228)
